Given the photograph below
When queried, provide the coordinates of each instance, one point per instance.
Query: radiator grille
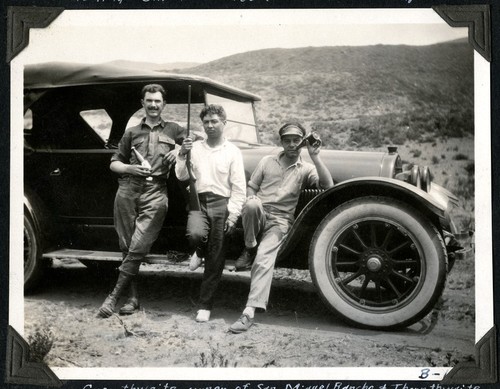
(305, 196)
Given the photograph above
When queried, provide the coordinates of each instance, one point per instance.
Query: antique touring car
(378, 244)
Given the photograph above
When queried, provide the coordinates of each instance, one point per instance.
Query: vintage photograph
(292, 191)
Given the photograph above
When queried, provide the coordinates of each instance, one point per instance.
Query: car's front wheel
(378, 263)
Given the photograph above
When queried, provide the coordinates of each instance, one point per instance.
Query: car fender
(293, 251)
(29, 210)
(37, 212)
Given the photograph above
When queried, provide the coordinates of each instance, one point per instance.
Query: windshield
(240, 119)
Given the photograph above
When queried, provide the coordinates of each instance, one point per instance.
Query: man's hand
(138, 170)
(229, 227)
(187, 145)
(169, 158)
(313, 150)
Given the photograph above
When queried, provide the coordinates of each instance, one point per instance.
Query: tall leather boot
(108, 307)
(132, 304)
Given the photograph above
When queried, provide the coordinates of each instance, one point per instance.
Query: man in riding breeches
(139, 212)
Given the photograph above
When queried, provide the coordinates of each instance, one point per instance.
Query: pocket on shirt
(138, 142)
(165, 144)
(222, 169)
(222, 165)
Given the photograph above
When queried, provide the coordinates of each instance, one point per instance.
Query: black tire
(378, 263)
(33, 264)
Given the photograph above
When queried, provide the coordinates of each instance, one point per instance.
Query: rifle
(194, 201)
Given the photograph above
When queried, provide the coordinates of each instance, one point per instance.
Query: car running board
(172, 257)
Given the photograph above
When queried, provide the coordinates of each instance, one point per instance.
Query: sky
(165, 36)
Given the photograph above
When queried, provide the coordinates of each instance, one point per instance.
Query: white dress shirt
(218, 170)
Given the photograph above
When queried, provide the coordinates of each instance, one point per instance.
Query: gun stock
(194, 201)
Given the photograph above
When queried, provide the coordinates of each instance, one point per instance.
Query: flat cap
(292, 129)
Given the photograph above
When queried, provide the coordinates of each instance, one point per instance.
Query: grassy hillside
(376, 93)
(357, 98)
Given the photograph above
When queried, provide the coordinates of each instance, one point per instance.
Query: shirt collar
(298, 163)
(205, 144)
(161, 123)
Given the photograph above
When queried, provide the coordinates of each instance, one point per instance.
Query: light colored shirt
(279, 187)
(218, 170)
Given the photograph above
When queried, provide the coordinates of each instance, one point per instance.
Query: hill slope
(359, 98)
(378, 94)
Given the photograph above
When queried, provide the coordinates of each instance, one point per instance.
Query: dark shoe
(130, 307)
(242, 324)
(244, 262)
(108, 307)
(132, 304)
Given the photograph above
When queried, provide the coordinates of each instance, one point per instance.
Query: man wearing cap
(272, 195)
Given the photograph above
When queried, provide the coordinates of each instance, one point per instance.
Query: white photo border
(483, 209)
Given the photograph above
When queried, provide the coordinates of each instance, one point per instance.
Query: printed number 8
(424, 373)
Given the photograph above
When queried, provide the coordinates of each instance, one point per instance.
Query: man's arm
(255, 181)
(238, 186)
(121, 158)
(133, 170)
(251, 192)
(324, 176)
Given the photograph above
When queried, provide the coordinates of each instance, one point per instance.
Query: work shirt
(218, 170)
(152, 143)
(279, 187)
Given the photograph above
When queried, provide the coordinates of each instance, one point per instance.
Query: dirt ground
(297, 330)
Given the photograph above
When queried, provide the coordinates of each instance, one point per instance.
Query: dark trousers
(205, 233)
(139, 211)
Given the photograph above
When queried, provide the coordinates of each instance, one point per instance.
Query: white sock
(250, 311)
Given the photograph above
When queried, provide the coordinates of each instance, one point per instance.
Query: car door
(67, 161)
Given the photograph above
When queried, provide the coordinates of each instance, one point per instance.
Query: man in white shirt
(220, 183)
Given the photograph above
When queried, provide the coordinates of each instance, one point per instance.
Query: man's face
(214, 126)
(290, 145)
(153, 104)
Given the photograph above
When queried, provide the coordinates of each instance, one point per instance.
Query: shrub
(40, 344)
(416, 153)
(366, 136)
(470, 168)
(214, 359)
(464, 188)
(435, 160)
(460, 157)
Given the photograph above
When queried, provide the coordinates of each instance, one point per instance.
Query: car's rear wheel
(378, 263)
(33, 266)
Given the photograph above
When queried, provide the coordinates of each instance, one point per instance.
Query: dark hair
(213, 109)
(153, 88)
(293, 124)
